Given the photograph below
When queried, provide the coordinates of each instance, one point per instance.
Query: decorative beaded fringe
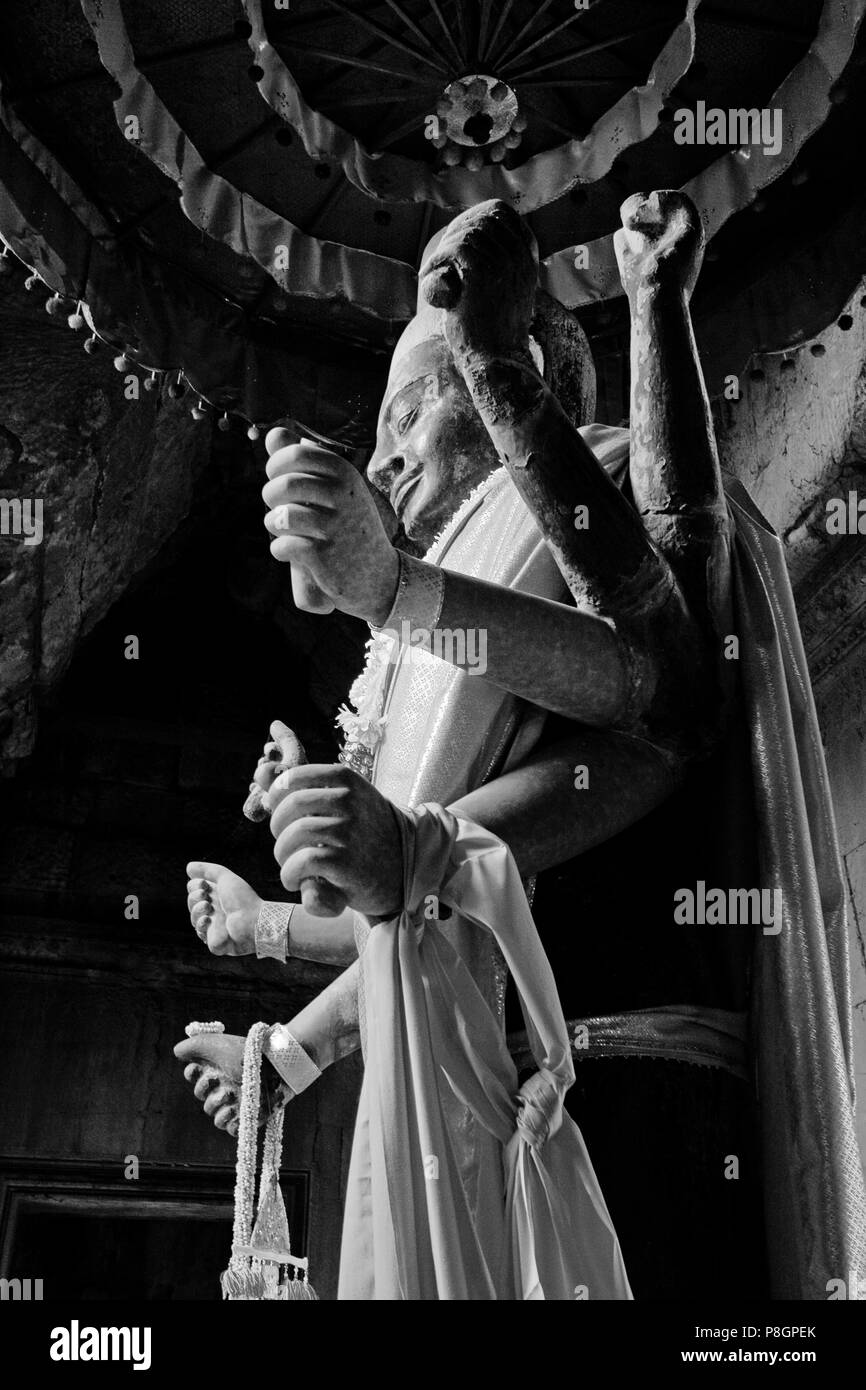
(262, 1266)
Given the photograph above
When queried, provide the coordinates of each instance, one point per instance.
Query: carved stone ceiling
(237, 190)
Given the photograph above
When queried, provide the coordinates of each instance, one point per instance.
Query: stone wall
(139, 763)
(138, 766)
(115, 477)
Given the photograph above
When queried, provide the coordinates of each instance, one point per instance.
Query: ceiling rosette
(532, 184)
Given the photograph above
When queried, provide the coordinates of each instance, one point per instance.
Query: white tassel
(262, 1266)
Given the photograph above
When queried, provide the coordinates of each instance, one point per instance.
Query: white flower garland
(362, 720)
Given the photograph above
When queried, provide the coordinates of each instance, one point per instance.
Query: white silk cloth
(529, 1222)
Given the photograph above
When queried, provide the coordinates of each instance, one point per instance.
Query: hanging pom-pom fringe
(262, 1266)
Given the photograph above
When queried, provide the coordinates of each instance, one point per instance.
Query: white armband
(285, 1053)
(272, 930)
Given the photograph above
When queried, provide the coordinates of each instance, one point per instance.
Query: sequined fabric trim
(703, 1037)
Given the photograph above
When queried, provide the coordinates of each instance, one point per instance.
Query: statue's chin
(421, 529)
(409, 545)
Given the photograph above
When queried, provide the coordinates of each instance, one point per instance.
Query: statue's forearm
(676, 481)
(549, 653)
(546, 814)
(597, 538)
(328, 1027)
(326, 940)
(571, 796)
(603, 551)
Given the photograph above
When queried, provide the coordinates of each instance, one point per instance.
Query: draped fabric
(734, 180)
(308, 266)
(815, 1202)
(814, 1193)
(532, 1224)
(237, 355)
(384, 287)
(801, 1036)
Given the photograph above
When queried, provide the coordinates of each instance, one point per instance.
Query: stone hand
(324, 520)
(214, 1067)
(484, 273)
(222, 908)
(284, 751)
(329, 822)
(660, 243)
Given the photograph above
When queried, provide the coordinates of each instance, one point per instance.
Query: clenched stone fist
(484, 272)
(660, 243)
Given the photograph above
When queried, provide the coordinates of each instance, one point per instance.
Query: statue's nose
(383, 468)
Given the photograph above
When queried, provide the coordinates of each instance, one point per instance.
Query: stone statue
(597, 743)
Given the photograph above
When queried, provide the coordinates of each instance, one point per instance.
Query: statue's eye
(406, 420)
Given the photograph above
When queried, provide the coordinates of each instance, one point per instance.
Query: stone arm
(607, 555)
(674, 467)
(542, 810)
(630, 655)
(537, 809)
(568, 662)
(328, 1028)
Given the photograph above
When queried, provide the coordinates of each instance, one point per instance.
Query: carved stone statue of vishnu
(598, 737)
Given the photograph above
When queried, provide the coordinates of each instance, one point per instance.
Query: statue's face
(431, 448)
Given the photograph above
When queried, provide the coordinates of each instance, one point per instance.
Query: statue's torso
(606, 917)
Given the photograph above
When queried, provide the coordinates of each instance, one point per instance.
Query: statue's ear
(567, 357)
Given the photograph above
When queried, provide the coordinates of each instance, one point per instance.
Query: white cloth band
(294, 1065)
(272, 931)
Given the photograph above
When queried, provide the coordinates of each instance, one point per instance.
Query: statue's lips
(401, 492)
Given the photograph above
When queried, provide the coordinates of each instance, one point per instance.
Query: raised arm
(483, 276)
(630, 656)
(675, 476)
(323, 518)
